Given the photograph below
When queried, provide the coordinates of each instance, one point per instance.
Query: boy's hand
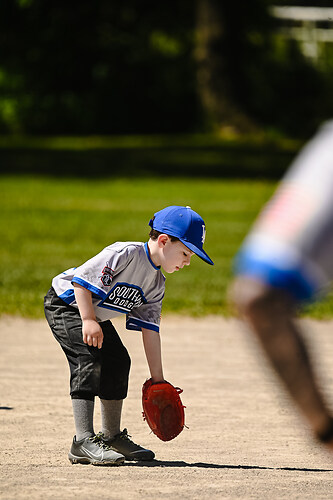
(92, 333)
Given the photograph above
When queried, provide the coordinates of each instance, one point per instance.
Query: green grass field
(48, 225)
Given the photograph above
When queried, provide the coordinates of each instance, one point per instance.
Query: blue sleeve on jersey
(68, 296)
(291, 280)
(137, 324)
(90, 287)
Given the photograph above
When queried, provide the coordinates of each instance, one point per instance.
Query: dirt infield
(243, 439)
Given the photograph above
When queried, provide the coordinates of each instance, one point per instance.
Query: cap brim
(200, 253)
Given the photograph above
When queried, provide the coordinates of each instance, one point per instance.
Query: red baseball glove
(163, 409)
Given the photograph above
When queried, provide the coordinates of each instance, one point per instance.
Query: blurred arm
(271, 315)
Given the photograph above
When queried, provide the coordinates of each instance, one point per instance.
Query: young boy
(124, 278)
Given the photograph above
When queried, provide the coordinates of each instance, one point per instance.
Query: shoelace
(97, 439)
(125, 436)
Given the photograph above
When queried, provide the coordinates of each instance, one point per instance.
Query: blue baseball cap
(184, 224)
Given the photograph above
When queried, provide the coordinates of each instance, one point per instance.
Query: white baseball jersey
(123, 280)
(291, 243)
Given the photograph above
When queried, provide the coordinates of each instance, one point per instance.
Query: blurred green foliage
(108, 67)
(103, 66)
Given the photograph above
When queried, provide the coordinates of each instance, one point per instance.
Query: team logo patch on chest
(123, 297)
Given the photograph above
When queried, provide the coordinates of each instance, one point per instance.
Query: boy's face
(175, 256)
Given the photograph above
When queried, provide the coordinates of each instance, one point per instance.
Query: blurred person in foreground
(286, 261)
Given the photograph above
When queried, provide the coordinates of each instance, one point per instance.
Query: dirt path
(243, 441)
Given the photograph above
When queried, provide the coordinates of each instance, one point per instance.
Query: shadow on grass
(203, 465)
(223, 161)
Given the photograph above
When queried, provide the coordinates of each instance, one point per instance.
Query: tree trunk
(214, 71)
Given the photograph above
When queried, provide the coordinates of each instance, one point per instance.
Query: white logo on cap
(203, 233)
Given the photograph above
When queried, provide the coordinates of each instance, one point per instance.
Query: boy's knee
(128, 361)
(85, 378)
(125, 363)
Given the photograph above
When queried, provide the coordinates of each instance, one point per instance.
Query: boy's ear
(162, 240)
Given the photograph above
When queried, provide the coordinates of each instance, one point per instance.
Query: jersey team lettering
(124, 297)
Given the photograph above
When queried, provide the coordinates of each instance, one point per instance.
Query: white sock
(111, 415)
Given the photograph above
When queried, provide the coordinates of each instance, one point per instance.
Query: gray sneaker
(124, 445)
(93, 450)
